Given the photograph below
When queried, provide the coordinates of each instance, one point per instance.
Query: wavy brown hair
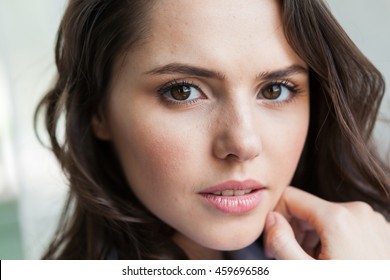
(103, 218)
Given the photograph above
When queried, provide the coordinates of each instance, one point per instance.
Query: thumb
(279, 240)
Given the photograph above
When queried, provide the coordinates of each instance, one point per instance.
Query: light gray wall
(368, 25)
(27, 32)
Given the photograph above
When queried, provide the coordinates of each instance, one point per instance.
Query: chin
(231, 240)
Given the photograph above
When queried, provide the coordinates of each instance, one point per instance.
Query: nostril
(237, 137)
(242, 151)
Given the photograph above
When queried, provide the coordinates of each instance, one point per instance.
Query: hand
(307, 227)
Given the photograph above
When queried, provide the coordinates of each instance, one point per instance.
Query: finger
(306, 236)
(279, 240)
(311, 243)
(304, 206)
(299, 233)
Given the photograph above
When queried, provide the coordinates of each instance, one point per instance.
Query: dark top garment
(254, 251)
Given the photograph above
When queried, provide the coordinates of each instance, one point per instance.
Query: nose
(237, 134)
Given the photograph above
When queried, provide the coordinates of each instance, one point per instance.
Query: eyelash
(170, 85)
(292, 88)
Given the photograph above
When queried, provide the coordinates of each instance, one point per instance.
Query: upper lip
(234, 185)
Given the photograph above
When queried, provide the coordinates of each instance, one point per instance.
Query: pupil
(181, 92)
(273, 92)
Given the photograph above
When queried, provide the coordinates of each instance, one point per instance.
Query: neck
(194, 251)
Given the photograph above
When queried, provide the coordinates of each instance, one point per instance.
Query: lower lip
(235, 204)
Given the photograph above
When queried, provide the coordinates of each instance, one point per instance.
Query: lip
(238, 204)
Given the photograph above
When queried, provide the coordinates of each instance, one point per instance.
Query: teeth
(227, 193)
(237, 193)
(232, 192)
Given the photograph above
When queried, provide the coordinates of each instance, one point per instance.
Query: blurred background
(32, 188)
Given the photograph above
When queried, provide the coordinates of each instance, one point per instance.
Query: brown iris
(181, 92)
(272, 92)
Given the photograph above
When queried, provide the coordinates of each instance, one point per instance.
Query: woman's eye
(276, 92)
(181, 92)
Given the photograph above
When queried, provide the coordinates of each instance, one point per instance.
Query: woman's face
(209, 117)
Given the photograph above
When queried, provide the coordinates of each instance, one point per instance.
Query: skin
(307, 227)
(172, 151)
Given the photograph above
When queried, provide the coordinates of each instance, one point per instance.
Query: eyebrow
(180, 68)
(281, 73)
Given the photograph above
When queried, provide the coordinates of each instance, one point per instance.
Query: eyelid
(165, 88)
(284, 82)
(292, 88)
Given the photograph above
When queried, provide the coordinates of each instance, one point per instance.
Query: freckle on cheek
(164, 154)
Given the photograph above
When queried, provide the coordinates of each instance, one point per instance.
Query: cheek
(283, 145)
(154, 155)
(291, 135)
(158, 151)
(290, 145)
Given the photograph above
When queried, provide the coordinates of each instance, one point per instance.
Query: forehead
(203, 13)
(221, 20)
(215, 31)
